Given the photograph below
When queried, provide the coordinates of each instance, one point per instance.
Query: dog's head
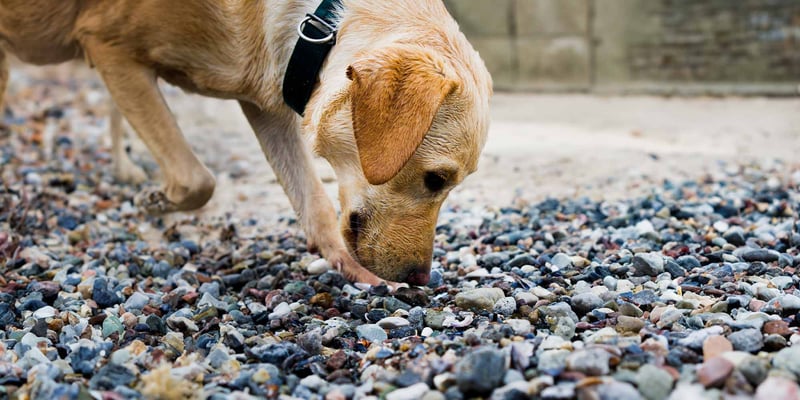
(408, 128)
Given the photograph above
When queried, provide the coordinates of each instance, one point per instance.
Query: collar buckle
(319, 24)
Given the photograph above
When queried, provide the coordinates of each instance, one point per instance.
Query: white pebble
(393, 322)
(280, 311)
(318, 267)
(45, 312)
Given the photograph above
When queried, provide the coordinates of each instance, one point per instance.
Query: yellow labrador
(400, 109)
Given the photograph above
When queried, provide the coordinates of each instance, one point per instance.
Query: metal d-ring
(311, 17)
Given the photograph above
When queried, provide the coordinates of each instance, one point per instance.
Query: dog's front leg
(290, 158)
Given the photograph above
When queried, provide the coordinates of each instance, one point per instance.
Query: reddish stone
(714, 372)
(777, 327)
(756, 305)
(190, 297)
(716, 345)
(337, 361)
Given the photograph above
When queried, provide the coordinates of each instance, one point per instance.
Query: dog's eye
(434, 181)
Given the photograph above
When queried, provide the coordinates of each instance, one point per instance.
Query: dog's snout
(418, 277)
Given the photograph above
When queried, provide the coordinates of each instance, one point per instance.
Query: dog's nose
(418, 277)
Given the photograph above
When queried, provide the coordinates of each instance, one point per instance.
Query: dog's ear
(395, 96)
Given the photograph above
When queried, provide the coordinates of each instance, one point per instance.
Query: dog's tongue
(418, 278)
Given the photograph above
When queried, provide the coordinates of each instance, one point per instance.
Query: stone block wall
(692, 46)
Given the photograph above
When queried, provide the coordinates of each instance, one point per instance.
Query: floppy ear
(395, 96)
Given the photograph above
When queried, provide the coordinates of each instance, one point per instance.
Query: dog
(399, 108)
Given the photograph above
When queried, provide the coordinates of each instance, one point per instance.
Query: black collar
(317, 37)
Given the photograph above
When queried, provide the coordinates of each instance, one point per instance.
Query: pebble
(505, 306)
(393, 322)
(318, 267)
(592, 362)
(788, 360)
(481, 298)
(648, 264)
(774, 388)
(583, 303)
(412, 392)
(716, 345)
(629, 325)
(372, 333)
(748, 340)
(480, 371)
(713, 372)
(653, 382)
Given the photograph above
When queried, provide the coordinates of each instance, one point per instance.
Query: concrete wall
(672, 46)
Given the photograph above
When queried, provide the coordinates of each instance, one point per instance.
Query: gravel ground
(687, 291)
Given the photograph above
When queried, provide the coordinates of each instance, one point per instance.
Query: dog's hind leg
(188, 184)
(124, 169)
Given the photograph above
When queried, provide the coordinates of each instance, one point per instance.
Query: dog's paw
(154, 202)
(129, 173)
(352, 270)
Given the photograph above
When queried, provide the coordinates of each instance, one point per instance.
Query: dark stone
(7, 315)
(40, 328)
(111, 376)
(688, 262)
(48, 289)
(407, 378)
(481, 371)
(156, 324)
(275, 353)
(762, 255)
(102, 295)
(675, 270)
(412, 296)
(522, 260)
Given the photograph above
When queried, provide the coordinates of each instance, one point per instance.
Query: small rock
(318, 267)
(393, 322)
(583, 303)
(748, 340)
(561, 261)
(482, 298)
(774, 388)
(762, 255)
(715, 345)
(653, 382)
(788, 360)
(371, 332)
(629, 325)
(648, 264)
(616, 390)
(136, 301)
(505, 306)
(592, 362)
(713, 372)
(412, 392)
(481, 371)
(519, 326)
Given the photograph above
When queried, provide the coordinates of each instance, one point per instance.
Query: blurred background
(606, 99)
(637, 46)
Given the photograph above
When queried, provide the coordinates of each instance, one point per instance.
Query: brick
(563, 60)
(552, 17)
(479, 18)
